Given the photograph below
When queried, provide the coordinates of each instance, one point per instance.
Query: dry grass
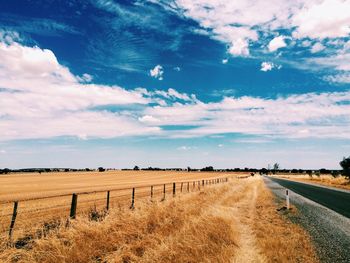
(281, 240)
(234, 222)
(327, 180)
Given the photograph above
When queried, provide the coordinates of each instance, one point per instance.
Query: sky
(176, 83)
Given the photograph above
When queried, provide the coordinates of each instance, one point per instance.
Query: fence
(21, 215)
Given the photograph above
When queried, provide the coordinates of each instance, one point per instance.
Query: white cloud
(323, 115)
(40, 98)
(224, 61)
(267, 66)
(277, 43)
(317, 47)
(239, 48)
(322, 19)
(157, 72)
(177, 69)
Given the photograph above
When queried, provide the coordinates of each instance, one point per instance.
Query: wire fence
(20, 216)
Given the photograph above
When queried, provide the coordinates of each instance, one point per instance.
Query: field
(325, 179)
(43, 197)
(228, 222)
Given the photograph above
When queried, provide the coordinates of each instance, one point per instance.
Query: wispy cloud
(39, 26)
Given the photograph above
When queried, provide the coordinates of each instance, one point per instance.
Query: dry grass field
(54, 192)
(231, 222)
(327, 180)
(34, 185)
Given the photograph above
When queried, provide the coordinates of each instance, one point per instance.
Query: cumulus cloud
(224, 61)
(267, 66)
(40, 98)
(157, 72)
(277, 43)
(322, 19)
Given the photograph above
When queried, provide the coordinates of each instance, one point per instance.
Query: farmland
(216, 223)
(44, 197)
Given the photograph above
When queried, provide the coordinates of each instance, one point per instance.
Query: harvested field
(44, 197)
(235, 222)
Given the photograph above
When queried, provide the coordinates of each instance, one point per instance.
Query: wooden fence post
(181, 186)
(199, 185)
(194, 185)
(164, 192)
(73, 207)
(13, 220)
(188, 186)
(151, 192)
(203, 183)
(174, 189)
(107, 205)
(133, 199)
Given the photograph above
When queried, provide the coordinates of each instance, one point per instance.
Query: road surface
(338, 201)
(329, 230)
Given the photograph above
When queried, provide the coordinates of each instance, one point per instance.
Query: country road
(338, 201)
(315, 212)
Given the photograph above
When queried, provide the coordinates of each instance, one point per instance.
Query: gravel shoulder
(329, 230)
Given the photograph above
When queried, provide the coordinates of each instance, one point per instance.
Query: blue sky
(174, 83)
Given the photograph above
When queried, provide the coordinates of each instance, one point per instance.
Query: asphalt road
(338, 201)
(329, 230)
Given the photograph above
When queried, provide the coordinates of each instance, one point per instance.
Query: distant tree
(66, 170)
(208, 169)
(309, 172)
(101, 169)
(5, 171)
(136, 168)
(345, 164)
(276, 166)
(324, 171)
(335, 173)
(189, 169)
(263, 171)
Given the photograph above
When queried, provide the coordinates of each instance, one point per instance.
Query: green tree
(345, 164)
(276, 167)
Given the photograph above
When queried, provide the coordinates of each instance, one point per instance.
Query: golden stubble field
(44, 197)
(35, 185)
